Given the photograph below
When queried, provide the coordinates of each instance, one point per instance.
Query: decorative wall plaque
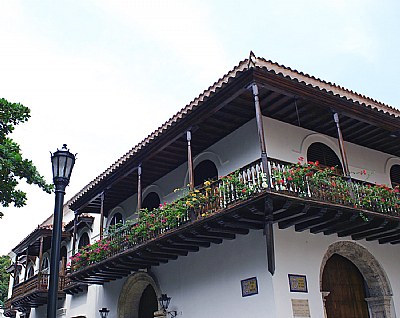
(298, 283)
(300, 308)
(249, 286)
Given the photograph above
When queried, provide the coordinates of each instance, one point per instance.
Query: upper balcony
(305, 196)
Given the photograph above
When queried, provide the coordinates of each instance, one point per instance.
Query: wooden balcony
(33, 292)
(236, 204)
(9, 311)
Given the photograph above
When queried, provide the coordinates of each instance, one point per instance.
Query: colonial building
(272, 194)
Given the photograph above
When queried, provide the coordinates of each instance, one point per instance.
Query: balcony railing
(245, 183)
(322, 184)
(30, 292)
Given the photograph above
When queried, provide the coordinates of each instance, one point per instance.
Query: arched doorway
(138, 297)
(148, 303)
(378, 291)
(346, 287)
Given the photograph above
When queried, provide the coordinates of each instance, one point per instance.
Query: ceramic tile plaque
(300, 308)
(298, 283)
(249, 286)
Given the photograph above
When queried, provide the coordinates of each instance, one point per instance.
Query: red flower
(317, 163)
(290, 178)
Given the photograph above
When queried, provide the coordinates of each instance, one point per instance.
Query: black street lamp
(62, 161)
(164, 301)
(104, 312)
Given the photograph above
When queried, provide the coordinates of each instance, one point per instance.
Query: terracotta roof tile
(251, 62)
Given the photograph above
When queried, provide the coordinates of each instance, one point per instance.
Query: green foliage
(4, 278)
(13, 167)
(311, 180)
(168, 216)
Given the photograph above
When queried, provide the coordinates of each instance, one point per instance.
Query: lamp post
(62, 161)
(104, 312)
(164, 301)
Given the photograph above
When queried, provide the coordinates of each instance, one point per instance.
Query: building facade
(272, 194)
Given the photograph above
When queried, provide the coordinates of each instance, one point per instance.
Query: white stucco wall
(212, 276)
(207, 283)
(302, 253)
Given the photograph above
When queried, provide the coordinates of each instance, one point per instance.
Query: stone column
(325, 294)
(380, 307)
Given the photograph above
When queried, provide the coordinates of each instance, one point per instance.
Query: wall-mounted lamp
(104, 312)
(164, 303)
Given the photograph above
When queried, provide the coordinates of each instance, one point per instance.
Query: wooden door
(347, 289)
(148, 303)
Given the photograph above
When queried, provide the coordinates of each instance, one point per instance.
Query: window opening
(151, 201)
(84, 240)
(395, 175)
(325, 155)
(205, 170)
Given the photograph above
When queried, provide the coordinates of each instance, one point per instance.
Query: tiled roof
(251, 62)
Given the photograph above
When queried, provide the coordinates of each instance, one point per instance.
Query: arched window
(84, 240)
(325, 155)
(45, 264)
(205, 170)
(151, 201)
(63, 253)
(395, 175)
(116, 219)
(31, 271)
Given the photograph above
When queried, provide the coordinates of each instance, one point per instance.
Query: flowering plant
(149, 224)
(313, 180)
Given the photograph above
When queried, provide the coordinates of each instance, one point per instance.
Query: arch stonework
(131, 292)
(378, 285)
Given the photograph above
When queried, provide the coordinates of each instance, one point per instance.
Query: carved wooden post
(190, 160)
(343, 155)
(15, 269)
(74, 234)
(41, 254)
(261, 137)
(269, 234)
(26, 263)
(139, 188)
(102, 215)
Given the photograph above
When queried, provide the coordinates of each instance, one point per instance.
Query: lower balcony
(9, 311)
(307, 197)
(33, 292)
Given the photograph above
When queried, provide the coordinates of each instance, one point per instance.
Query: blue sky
(101, 75)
